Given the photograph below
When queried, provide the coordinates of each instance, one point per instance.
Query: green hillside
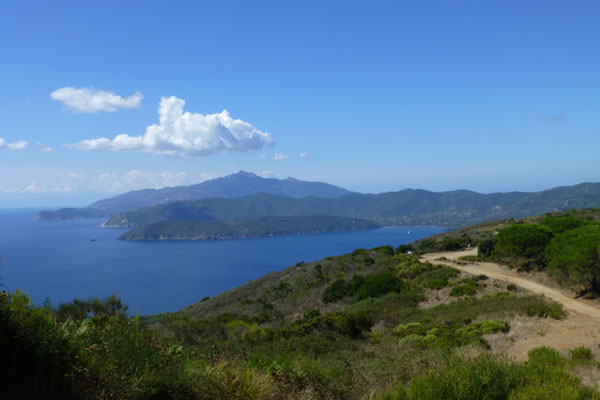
(407, 207)
(258, 227)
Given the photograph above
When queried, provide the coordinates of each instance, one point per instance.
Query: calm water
(56, 259)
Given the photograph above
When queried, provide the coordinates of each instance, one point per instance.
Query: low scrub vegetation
(347, 327)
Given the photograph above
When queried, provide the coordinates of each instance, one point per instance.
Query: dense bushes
(573, 255)
(375, 285)
(523, 245)
(544, 376)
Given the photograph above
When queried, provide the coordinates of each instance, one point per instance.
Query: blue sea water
(59, 261)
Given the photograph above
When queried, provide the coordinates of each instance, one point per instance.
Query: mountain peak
(242, 173)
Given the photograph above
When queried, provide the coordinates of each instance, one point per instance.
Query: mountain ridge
(239, 184)
(406, 207)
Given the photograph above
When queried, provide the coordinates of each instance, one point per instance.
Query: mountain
(406, 207)
(234, 185)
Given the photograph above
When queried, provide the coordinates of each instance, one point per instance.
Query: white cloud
(280, 156)
(44, 149)
(90, 100)
(35, 187)
(303, 154)
(185, 134)
(20, 145)
(267, 174)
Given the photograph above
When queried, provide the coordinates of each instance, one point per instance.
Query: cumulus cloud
(90, 100)
(185, 134)
(554, 119)
(20, 145)
(280, 156)
(303, 154)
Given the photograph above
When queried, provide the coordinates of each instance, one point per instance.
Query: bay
(60, 260)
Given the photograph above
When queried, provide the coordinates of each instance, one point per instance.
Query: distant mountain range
(234, 185)
(246, 196)
(407, 207)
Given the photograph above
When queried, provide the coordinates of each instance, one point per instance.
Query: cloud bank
(89, 100)
(20, 145)
(185, 134)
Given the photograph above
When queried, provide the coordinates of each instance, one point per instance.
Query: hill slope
(406, 207)
(260, 227)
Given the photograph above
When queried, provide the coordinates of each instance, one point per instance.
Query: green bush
(574, 256)
(581, 354)
(485, 247)
(523, 245)
(404, 248)
(460, 379)
(564, 223)
(438, 278)
(380, 284)
(467, 287)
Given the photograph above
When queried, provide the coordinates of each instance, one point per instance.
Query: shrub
(404, 248)
(523, 245)
(574, 256)
(438, 278)
(380, 284)
(459, 379)
(485, 248)
(467, 287)
(582, 353)
(563, 223)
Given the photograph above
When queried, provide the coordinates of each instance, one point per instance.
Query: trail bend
(581, 326)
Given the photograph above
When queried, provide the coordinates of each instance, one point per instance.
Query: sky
(102, 97)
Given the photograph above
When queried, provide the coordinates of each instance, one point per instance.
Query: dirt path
(581, 327)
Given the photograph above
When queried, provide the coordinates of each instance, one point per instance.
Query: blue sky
(372, 96)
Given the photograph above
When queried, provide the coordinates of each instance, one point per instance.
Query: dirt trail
(581, 327)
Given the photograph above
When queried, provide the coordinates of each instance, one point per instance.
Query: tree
(574, 256)
(523, 245)
(485, 248)
(564, 223)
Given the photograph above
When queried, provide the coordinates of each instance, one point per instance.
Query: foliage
(192, 229)
(573, 255)
(469, 287)
(404, 248)
(448, 335)
(485, 248)
(375, 285)
(523, 245)
(543, 376)
(562, 223)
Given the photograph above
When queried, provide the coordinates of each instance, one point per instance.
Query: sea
(57, 261)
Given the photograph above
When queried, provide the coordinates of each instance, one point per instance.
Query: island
(186, 229)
